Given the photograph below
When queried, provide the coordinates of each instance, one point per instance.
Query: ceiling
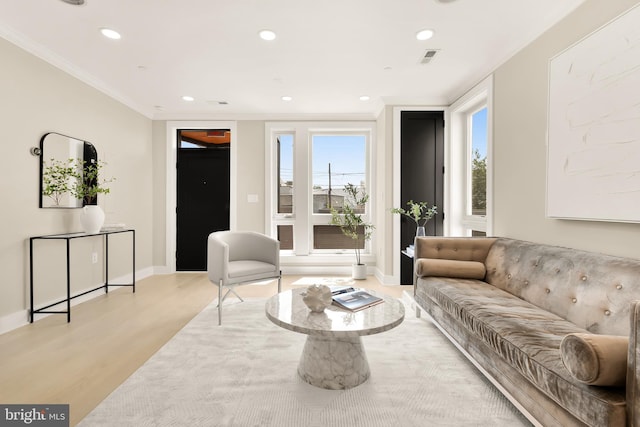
(327, 54)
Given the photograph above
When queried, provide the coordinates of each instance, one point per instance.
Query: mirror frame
(89, 154)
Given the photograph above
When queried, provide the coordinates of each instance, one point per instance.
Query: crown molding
(61, 63)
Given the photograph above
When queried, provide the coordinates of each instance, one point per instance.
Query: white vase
(420, 231)
(359, 271)
(92, 219)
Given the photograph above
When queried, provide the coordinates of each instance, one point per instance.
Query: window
(285, 173)
(477, 203)
(284, 196)
(337, 160)
(470, 159)
(311, 163)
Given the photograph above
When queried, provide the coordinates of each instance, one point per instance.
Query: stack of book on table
(409, 250)
(353, 299)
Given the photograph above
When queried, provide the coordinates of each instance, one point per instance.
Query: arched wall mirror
(61, 160)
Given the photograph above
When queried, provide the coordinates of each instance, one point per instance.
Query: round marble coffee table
(333, 356)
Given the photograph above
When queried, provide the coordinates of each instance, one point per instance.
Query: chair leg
(280, 283)
(234, 292)
(231, 291)
(220, 303)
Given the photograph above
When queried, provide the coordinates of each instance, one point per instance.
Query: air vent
(428, 56)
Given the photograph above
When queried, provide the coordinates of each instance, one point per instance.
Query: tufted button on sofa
(537, 320)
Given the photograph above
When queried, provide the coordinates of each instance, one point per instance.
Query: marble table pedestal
(334, 363)
(333, 356)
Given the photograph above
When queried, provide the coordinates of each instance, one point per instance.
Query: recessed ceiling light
(109, 33)
(74, 2)
(287, 98)
(188, 98)
(267, 35)
(364, 98)
(424, 34)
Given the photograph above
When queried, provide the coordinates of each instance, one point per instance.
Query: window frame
(461, 221)
(469, 216)
(302, 218)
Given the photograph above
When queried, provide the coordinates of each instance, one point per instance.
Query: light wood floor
(109, 338)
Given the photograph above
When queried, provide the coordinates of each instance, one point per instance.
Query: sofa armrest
(633, 368)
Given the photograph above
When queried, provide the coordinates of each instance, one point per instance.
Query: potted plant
(57, 179)
(349, 219)
(87, 186)
(419, 212)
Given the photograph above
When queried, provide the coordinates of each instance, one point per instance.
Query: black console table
(68, 238)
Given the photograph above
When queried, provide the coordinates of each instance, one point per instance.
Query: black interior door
(421, 175)
(202, 202)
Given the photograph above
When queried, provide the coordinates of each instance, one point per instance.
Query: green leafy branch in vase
(88, 184)
(419, 212)
(349, 218)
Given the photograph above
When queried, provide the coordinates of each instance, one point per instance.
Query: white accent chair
(241, 257)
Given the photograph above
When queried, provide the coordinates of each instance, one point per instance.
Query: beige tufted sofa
(509, 304)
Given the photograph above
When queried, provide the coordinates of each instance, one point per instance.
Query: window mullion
(301, 197)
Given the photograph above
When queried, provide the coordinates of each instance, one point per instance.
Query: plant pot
(359, 271)
(92, 219)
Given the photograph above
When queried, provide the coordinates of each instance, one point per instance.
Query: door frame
(171, 181)
(397, 113)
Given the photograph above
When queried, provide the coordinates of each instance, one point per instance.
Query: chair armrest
(633, 367)
(268, 249)
(217, 259)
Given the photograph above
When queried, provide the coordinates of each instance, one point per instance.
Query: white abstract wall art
(593, 147)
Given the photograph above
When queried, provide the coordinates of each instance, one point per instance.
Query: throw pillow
(596, 359)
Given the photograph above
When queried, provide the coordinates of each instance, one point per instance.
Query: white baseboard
(386, 279)
(21, 318)
(161, 269)
(14, 321)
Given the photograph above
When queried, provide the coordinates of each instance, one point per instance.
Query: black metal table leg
(68, 282)
(31, 279)
(133, 256)
(106, 263)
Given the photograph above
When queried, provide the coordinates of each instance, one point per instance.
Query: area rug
(243, 373)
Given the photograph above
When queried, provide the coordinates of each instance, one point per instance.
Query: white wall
(38, 98)
(384, 194)
(159, 138)
(520, 125)
(250, 163)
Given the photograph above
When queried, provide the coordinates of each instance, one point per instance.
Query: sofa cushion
(596, 359)
(528, 338)
(450, 268)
